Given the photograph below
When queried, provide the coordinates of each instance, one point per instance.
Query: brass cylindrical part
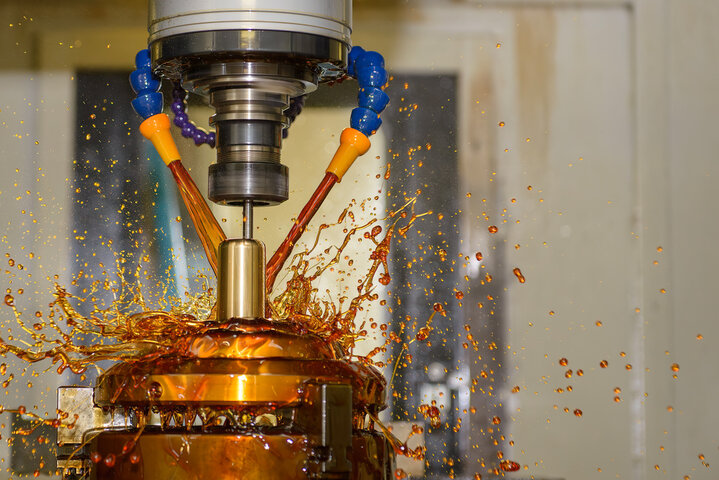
(241, 279)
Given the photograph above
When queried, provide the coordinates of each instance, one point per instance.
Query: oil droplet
(580, 372)
(617, 390)
(109, 460)
(478, 256)
(515, 389)
(459, 295)
(670, 408)
(493, 229)
(659, 249)
(496, 420)
(663, 290)
(178, 218)
(508, 466)
(128, 447)
(598, 323)
(501, 124)
(628, 366)
(518, 273)
(604, 364)
(477, 476)
(563, 362)
(617, 399)
(699, 336)
(577, 412)
(399, 474)
(675, 367)
(155, 390)
(423, 333)
(9, 300)
(438, 307)
(384, 279)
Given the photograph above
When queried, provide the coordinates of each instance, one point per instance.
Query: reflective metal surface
(231, 456)
(328, 18)
(75, 404)
(241, 279)
(254, 399)
(249, 76)
(174, 54)
(264, 183)
(260, 362)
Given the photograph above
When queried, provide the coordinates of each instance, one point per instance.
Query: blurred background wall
(585, 131)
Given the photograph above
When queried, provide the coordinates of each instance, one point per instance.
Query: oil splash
(126, 330)
(131, 329)
(334, 321)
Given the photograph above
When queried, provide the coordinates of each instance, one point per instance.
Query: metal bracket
(336, 429)
(78, 404)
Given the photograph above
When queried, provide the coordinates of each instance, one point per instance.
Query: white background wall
(36, 151)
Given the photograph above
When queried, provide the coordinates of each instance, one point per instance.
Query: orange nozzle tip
(356, 138)
(353, 143)
(157, 129)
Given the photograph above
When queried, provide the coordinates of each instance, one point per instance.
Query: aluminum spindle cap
(328, 18)
(241, 279)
